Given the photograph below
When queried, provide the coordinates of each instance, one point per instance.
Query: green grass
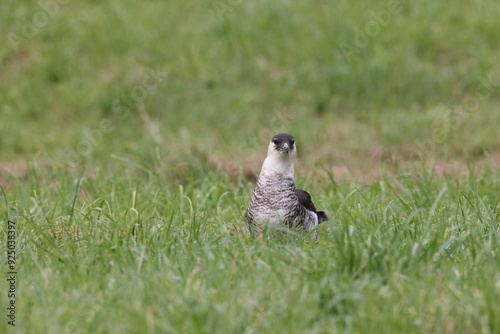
(136, 254)
(128, 194)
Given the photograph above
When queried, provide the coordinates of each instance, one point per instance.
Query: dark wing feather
(322, 217)
(305, 200)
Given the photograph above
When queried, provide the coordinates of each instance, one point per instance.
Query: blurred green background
(356, 82)
(131, 133)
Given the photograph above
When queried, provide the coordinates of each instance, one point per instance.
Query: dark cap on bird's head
(283, 142)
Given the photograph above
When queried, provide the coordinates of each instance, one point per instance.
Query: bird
(275, 201)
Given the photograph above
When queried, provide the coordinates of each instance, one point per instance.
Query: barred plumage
(275, 199)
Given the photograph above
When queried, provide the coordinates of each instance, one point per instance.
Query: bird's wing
(305, 199)
(322, 217)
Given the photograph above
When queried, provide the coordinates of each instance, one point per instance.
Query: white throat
(278, 164)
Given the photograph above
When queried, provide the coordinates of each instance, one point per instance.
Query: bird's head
(280, 157)
(282, 147)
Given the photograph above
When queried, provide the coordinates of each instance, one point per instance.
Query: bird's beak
(287, 148)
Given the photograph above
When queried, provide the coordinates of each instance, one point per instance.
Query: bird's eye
(293, 141)
(275, 141)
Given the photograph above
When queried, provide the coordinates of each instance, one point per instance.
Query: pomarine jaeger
(275, 200)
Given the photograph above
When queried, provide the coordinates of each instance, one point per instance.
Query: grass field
(131, 134)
